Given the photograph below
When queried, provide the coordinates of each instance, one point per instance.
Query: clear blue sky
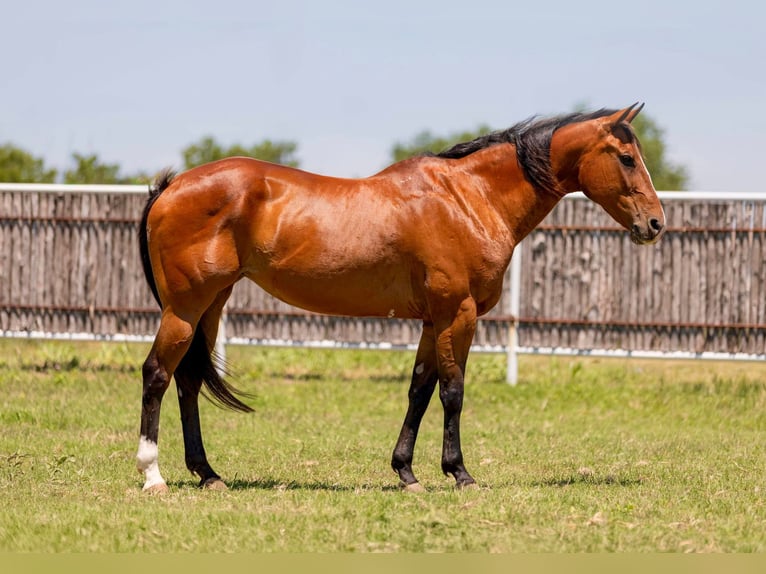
(137, 81)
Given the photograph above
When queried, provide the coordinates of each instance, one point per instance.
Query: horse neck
(518, 202)
(522, 205)
(568, 145)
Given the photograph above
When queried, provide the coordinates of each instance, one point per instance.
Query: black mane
(532, 139)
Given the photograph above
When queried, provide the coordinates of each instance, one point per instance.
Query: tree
(207, 150)
(19, 166)
(425, 141)
(665, 175)
(88, 169)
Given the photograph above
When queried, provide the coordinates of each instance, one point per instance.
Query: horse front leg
(424, 377)
(453, 342)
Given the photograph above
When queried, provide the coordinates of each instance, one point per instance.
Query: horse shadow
(577, 479)
(271, 484)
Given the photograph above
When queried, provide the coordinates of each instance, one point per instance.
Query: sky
(136, 82)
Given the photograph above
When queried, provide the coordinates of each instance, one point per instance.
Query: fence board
(70, 264)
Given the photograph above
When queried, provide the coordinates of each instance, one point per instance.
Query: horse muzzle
(647, 232)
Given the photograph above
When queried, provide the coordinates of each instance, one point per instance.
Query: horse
(427, 238)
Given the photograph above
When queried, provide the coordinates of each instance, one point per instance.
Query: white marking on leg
(420, 368)
(146, 460)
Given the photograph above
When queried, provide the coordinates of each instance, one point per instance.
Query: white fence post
(512, 371)
(220, 345)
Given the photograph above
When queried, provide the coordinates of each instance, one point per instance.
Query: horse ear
(634, 112)
(626, 115)
(616, 123)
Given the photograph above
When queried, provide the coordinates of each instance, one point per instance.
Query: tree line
(21, 166)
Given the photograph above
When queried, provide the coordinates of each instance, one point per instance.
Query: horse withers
(427, 238)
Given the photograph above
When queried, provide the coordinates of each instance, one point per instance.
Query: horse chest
(488, 297)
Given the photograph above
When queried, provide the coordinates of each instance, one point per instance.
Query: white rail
(143, 189)
(74, 188)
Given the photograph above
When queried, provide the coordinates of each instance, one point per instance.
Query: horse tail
(200, 361)
(160, 184)
(197, 363)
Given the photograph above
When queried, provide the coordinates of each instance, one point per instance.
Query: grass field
(582, 456)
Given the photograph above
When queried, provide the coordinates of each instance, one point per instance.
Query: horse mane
(532, 139)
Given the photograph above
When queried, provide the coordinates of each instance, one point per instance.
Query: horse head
(610, 170)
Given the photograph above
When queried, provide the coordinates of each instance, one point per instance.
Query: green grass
(582, 456)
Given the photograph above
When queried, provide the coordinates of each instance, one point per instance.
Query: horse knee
(451, 396)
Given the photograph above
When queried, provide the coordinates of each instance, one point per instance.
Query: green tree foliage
(665, 175)
(207, 150)
(425, 141)
(19, 166)
(88, 169)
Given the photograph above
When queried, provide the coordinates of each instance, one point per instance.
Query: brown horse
(427, 238)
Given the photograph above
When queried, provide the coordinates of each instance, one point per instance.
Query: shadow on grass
(589, 480)
(294, 485)
(75, 364)
(343, 378)
(273, 484)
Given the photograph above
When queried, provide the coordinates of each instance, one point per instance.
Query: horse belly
(370, 293)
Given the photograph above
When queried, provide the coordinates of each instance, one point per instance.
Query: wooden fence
(69, 265)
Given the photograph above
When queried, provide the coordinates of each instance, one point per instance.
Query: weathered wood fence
(69, 266)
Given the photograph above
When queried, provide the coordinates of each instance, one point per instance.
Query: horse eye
(627, 160)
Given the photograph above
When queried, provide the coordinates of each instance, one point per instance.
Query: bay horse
(427, 238)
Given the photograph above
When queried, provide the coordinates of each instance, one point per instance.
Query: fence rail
(70, 268)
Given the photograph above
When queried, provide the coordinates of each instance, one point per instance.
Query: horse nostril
(655, 224)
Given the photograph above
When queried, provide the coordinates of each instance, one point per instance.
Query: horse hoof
(466, 486)
(214, 484)
(412, 487)
(158, 488)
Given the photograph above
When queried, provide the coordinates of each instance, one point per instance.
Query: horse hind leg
(189, 383)
(171, 343)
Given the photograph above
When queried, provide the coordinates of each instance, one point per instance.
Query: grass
(582, 456)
